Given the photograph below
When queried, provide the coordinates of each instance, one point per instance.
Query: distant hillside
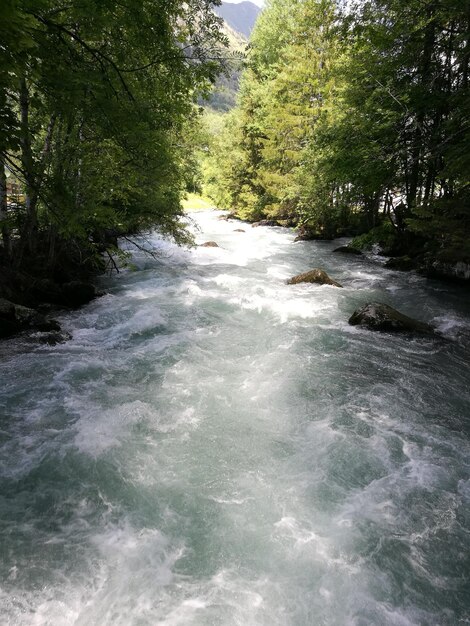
(224, 94)
(241, 17)
(236, 40)
(239, 20)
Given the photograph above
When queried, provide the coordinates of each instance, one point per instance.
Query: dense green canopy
(353, 119)
(95, 100)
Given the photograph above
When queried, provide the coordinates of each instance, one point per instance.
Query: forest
(354, 119)
(351, 120)
(97, 103)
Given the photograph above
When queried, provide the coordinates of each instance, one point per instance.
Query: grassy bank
(195, 203)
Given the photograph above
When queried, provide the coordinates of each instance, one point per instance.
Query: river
(215, 447)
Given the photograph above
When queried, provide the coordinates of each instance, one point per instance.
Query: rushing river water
(215, 447)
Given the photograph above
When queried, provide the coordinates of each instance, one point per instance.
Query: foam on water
(214, 446)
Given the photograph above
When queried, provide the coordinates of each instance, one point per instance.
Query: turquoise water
(216, 447)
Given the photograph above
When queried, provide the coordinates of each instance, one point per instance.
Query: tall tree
(94, 98)
(349, 119)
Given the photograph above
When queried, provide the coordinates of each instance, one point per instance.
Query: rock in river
(401, 263)
(313, 276)
(307, 233)
(209, 244)
(72, 294)
(348, 250)
(382, 317)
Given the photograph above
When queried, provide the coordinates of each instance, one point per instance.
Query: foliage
(97, 105)
(382, 236)
(349, 118)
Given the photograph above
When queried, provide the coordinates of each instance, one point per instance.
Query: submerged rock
(348, 250)
(382, 317)
(313, 276)
(209, 244)
(238, 230)
(54, 337)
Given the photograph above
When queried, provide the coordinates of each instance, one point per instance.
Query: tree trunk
(27, 164)
(5, 231)
(465, 57)
(418, 147)
(372, 206)
(33, 176)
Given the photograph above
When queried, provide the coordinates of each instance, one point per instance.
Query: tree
(94, 101)
(351, 118)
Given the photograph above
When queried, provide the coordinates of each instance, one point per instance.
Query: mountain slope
(224, 94)
(241, 17)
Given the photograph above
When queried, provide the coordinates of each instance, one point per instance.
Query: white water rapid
(215, 447)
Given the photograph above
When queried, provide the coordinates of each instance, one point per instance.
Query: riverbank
(415, 254)
(29, 302)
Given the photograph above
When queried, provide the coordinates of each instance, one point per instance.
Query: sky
(260, 3)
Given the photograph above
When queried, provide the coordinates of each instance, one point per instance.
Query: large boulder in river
(382, 317)
(313, 276)
(30, 318)
(9, 325)
(71, 294)
(209, 244)
(15, 318)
